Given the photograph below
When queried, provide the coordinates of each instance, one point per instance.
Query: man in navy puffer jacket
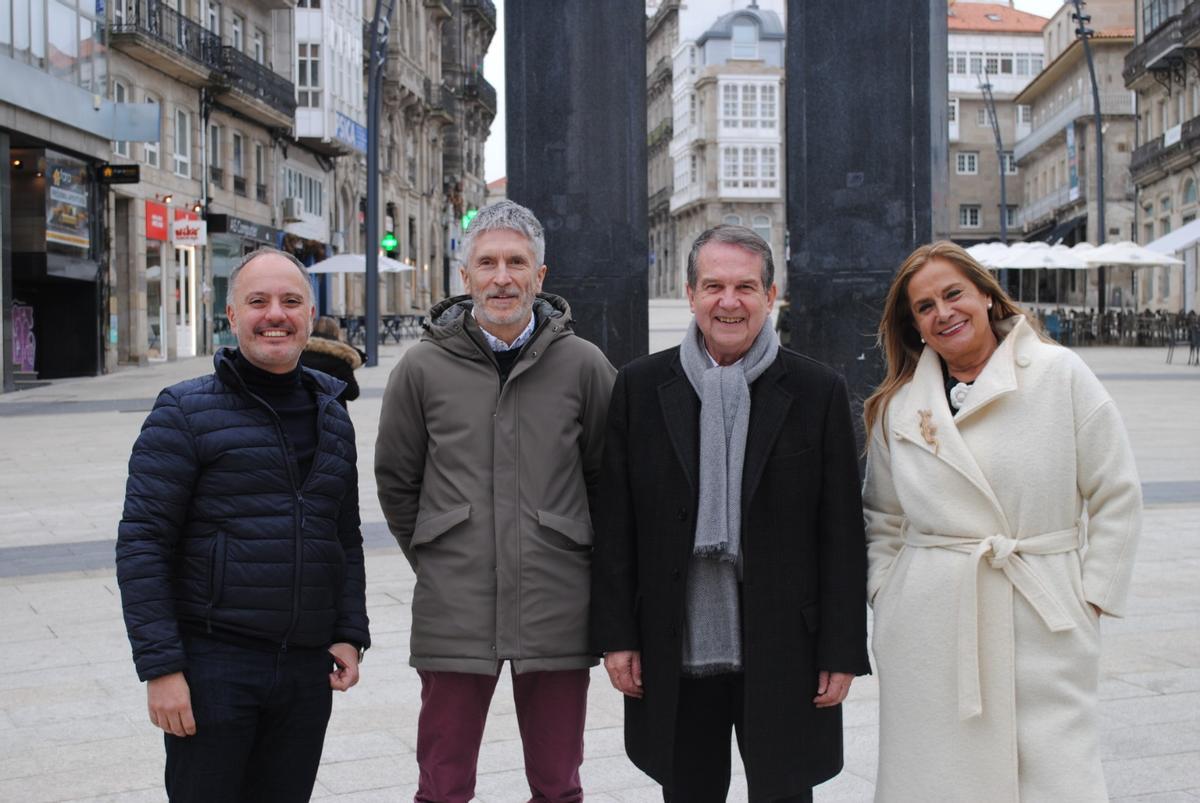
(239, 555)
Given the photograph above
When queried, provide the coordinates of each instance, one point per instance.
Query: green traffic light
(468, 217)
(389, 242)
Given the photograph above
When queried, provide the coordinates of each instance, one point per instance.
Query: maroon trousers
(551, 707)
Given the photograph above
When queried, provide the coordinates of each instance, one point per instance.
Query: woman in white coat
(1002, 511)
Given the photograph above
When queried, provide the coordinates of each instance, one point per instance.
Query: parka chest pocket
(429, 529)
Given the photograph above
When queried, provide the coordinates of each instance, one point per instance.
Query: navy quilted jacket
(217, 537)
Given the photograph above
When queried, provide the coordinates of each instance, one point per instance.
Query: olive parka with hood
(488, 490)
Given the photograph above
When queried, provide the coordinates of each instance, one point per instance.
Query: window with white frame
(976, 63)
(1189, 192)
(1010, 215)
(1025, 114)
(745, 40)
(310, 190)
(260, 171)
(693, 168)
(1022, 64)
(238, 157)
(681, 173)
(1035, 64)
(1010, 164)
(749, 105)
(732, 220)
(762, 227)
(120, 95)
(236, 28)
(953, 110)
(182, 153)
(308, 75)
(213, 17)
(730, 166)
(981, 117)
(968, 216)
(260, 46)
(1006, 64)
(150, 149)
(967, 163)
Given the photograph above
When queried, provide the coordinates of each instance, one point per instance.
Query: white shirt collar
(714, 362)
(496, 344)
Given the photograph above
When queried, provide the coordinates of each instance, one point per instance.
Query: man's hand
(625, 671)
(832, 688)
(170, 702)
(345, 675)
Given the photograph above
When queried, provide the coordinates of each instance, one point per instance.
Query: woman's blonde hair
(898, 336)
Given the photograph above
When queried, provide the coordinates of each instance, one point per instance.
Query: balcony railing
(659, 200)
(1110, 103)
(258, 81)
(1045, 206)
(260, 192)
(661, 72)
(239, 185)
(486, 9)
(660, 135)
(1189, 22)
(171, 29)
(216, 175)
(1147, 157)
(440, 98)
(476, 87)
(1164, 43)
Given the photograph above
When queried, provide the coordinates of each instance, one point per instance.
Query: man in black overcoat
(729, 565)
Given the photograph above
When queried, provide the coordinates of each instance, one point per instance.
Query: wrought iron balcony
(1161, 51)
(660, 73)
(477, 88)
(161, 37)
(1156, 157)
(661, 134)
(485, 9)
(1189, 23)
(239, 185)
(216, 175)
(256, 82)
(440, 100)
(261, 193)
(660, 201)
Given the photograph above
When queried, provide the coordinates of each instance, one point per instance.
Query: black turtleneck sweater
(293, 403)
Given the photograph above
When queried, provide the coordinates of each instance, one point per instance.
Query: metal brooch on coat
(928, 429)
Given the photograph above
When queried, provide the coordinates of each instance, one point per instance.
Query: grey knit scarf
(713, 640)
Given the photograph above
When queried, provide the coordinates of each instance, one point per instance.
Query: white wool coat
(988, 533)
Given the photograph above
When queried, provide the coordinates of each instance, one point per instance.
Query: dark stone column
(866, 166)
(576, 97)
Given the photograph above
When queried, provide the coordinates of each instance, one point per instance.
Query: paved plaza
(72, 713)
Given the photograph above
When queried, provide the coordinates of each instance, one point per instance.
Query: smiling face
(951, 315)
(271, 313)
(503, 279)
(729, 300)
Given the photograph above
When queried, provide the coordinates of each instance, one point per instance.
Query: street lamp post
(375, 71)
(990, 101)
(1085, 34)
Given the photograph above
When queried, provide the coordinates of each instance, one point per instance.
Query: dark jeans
(709, 708)
(260, 724)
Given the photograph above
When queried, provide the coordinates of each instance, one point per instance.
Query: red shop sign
(156, 221)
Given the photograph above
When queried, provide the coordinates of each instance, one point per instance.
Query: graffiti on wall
(24, 342)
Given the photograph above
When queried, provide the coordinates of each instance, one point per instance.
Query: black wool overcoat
(804, 560)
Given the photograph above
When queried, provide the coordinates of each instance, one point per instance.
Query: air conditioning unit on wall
(293, 209)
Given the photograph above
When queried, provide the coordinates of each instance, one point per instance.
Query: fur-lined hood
(334, 348)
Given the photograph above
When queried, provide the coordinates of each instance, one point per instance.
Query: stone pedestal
(576, 100)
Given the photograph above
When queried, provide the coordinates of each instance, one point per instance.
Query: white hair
(511, 216)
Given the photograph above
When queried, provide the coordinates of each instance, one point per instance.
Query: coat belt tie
(1003, 553)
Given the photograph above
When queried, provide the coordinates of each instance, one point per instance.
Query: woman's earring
(922, 340)
(989, 305)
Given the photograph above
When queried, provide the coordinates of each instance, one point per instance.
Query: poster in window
(1072, 164)
(66, 202)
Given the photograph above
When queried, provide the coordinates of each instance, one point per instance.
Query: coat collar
(769, 405)
(922, 416)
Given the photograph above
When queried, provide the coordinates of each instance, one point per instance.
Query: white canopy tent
(357, 263)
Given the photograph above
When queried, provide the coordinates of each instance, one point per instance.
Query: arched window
(732, 220)
(745, 40)
(762, 227)
(1189, 191)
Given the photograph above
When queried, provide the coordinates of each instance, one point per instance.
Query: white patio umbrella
(357, 263)
(987, 253)
(1042, 256)
(1129, 254)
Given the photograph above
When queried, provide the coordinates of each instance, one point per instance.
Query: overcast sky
(493, 63)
